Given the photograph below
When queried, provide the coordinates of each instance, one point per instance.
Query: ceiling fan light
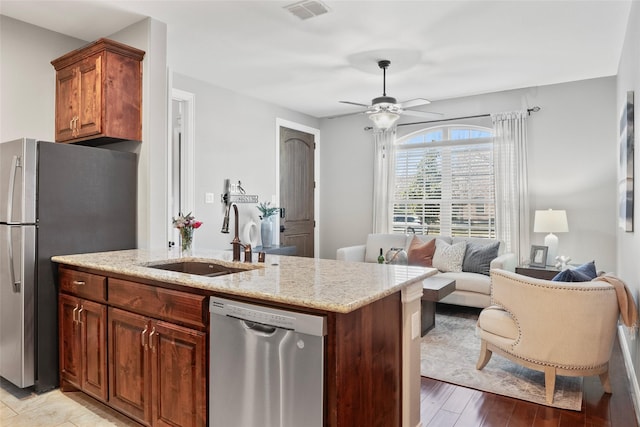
(384, 119)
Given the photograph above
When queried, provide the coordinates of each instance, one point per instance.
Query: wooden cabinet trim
(97, 46)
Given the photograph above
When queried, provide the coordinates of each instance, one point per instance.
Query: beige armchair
(554, 327)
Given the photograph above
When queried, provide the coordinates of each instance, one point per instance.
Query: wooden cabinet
(129, 370)
(178, 375)
(83, 345)
(155, 354)
(99, 93)
(157, 370)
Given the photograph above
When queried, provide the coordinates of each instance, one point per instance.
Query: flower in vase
(186, 224)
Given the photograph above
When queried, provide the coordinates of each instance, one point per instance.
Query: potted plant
(266, 226)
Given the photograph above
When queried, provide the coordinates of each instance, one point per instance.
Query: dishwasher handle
(259, 329)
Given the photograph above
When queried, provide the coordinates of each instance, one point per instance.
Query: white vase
(266, 232)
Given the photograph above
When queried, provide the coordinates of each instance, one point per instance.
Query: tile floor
(20, 408)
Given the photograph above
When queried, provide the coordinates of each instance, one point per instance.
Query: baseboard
(633, 379)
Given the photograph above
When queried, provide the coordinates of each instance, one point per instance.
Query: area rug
(449, 353)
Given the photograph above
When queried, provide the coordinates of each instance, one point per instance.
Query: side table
(277, 250)
(546, 273)
(433, 290)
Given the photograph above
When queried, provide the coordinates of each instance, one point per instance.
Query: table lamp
(551, 221)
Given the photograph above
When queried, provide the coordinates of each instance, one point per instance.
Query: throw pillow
(570, 275)
(584, 273)
(449, 257)
(589, 269)
(421, 253)
(478, 257)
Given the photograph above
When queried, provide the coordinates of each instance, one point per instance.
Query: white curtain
(383, 179)
(511, 184)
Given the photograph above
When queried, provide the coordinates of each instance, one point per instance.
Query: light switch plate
(208, 197)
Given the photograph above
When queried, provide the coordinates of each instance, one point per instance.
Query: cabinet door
(179, 375)
(90, 80)
(129, 371)
(70, 343)
(93, 322)
(67, 101)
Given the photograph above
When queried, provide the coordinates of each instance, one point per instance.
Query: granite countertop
(335, 286)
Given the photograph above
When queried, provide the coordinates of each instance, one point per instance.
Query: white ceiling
(438, 49)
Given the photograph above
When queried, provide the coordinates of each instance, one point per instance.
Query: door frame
(188, 149)
(280, 123)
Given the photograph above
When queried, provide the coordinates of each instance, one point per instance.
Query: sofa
(467, 260)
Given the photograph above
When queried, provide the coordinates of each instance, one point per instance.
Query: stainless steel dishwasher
(266, 366)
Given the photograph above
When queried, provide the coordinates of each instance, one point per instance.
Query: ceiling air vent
(307, 8)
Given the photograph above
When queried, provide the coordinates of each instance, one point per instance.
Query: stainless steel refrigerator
(55, 199)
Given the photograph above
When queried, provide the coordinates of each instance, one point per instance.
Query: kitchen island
(372, 311)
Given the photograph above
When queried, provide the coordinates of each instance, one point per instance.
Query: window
(444, 182)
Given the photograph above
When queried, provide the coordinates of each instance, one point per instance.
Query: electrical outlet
(208, 197)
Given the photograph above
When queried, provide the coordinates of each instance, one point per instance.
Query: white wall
(572, 165)
(235, 138)
(27, 104)
(628, 244)
(150, 36)
(27, 78)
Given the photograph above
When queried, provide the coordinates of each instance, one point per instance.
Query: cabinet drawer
(159, 303)
(85, 285)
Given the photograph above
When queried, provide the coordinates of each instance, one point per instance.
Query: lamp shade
(550, 221)
(384, 119)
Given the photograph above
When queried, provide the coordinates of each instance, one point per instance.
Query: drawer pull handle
(80, 313)
(153, 332)
(78, 282)
(142, 336)
(75, 310)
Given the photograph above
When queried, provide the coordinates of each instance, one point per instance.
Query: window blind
(446, 186)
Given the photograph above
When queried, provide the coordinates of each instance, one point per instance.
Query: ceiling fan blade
(414, 103)
(426, 114)
(355, 103)
(346, 114)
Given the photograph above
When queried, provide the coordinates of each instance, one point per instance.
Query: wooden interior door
(297, 188)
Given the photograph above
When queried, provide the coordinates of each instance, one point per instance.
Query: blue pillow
(588, 269)
(584, 273)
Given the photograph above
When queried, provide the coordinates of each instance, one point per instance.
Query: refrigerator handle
(15, 164)
(12, 273)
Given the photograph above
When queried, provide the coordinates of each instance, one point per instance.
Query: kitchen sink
(200, 268)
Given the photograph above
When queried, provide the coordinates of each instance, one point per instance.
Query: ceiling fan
(385, 110)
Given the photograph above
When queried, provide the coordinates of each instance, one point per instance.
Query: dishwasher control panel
(258, 316)
(283, 319)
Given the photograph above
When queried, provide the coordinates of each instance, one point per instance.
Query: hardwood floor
(447, 405)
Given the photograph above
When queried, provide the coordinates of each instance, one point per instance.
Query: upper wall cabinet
(99, 93)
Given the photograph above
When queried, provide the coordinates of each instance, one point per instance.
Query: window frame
(444, 151)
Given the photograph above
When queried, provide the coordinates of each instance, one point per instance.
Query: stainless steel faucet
(225, 221)
(236, 238)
